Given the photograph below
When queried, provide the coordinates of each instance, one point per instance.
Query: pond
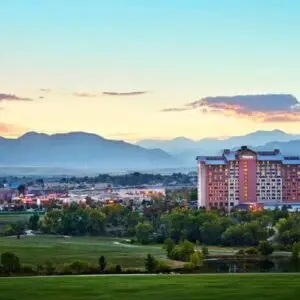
(245, 265)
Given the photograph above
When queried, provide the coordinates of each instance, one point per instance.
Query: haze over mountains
(79, 150)
(85, 151)
(186, 150)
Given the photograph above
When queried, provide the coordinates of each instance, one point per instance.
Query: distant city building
(248, 177)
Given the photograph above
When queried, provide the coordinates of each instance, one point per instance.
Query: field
(205, 287)
(59, 250)
(11, 217)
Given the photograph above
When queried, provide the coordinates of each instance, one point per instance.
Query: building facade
(248, 177)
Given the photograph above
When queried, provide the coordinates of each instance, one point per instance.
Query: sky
(136, 69)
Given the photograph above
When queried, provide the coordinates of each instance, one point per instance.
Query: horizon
(149, 69)
(150, 139)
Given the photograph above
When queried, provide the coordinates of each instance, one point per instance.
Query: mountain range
(85, 151)
(185, 150)
(79, 150)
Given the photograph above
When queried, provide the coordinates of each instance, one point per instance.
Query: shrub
(265, 248)
(102, 263)
(150, 263)
(295, 251)
(205, 251)
(197, 259)
(162, 267)
(27, 270)
(240, 252)
(251, 251)
(188, 266)
(183, 251)
(76, 267)
(49, 268)
(118, 269)
(10, 262)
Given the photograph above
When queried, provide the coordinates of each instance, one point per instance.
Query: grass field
(205, 287)
(59, 250)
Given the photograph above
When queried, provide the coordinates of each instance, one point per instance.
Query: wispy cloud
(11, 97)
(85, 95)
(263, 108)
(45, 90)
(175, 109)
(135, 93)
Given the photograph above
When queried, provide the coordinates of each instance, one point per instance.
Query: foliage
(143, 232)
(251, 251)
(102, 263)
(247, 234)
(265, 248)
(10, 262)
(183, 251)
(169, 246)
(150, 264)
(295, 251)
(197, 259)
(205, 251)
(33, 222)
(162, 266)
(118, 269)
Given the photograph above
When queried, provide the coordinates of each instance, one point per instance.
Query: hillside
(78, 150)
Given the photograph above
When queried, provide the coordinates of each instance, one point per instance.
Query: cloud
(10, 129)
(11, 97)
(263, 108)
(136, 93)
(85, 95)
(45, 90)
(174, 109)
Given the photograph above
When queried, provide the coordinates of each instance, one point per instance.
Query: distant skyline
(131, 69)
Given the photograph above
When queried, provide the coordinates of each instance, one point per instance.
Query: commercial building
(248, 177)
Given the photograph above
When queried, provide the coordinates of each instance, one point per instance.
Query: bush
(197, 259)
(49, 268)
(295, 251)
(150, 264)
(28, 270)
(10, 262)
(188, 266)
(162, 267)
(76, 267)
(251, 251)
(205, 251)
(183, 251)
(118, 269)
(240, 252)
(265, 248)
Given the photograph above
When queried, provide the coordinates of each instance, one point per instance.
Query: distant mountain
(287, 148)
(79, 150)
(186, 150)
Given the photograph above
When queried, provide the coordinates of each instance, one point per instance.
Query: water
(245, 265)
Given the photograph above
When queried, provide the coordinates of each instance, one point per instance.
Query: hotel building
(248, 177)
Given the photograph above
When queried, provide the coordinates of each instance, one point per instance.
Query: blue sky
(176, 52)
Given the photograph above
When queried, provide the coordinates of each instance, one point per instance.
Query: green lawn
(39, 249)
(205, 287)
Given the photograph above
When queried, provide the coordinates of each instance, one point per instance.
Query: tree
(183, 251)
(21, 189)
(205, 251)
(197, 259)
(169, 246)
(150, 264)
(33, 222)
(118, 269)
(10, 262)
(265, 248)
(295, 251)
(143, 232)
(102, 263)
